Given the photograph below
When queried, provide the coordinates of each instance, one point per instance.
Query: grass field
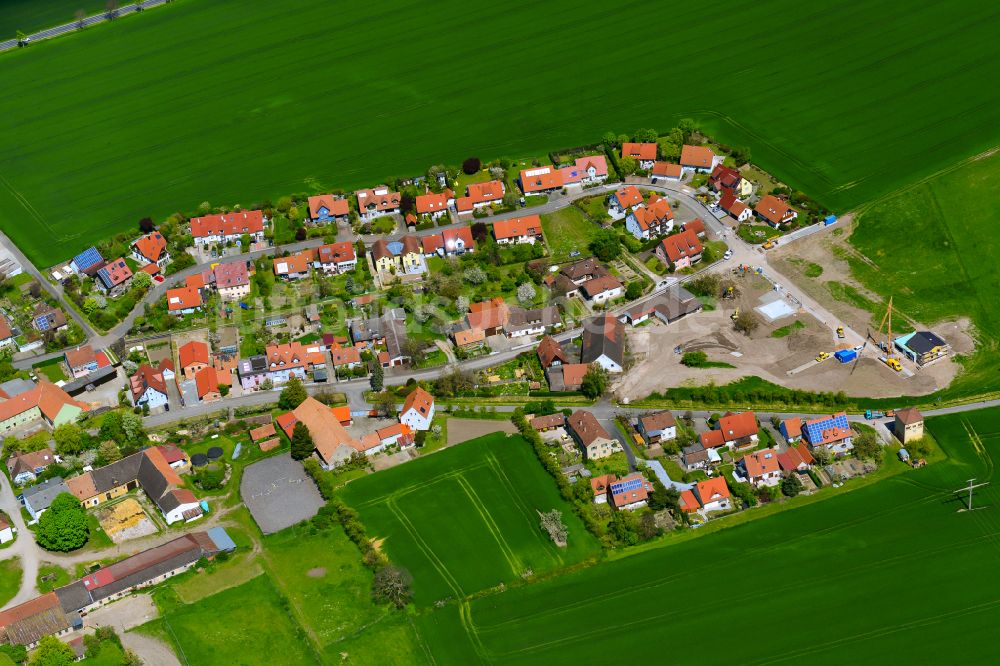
(891, 571)
(566, 231)
(935, 249)
(10, 578)
(51, 369)
(490, 489)
(234, 116)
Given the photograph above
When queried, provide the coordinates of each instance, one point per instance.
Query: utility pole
(968, 489)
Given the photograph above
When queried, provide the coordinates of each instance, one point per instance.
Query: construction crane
(968, 489)
(886, 344)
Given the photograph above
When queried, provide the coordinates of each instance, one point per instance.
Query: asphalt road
(76, 25)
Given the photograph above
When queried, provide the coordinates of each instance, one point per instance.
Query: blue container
(830, 219)
(846, 355)
(204, 506)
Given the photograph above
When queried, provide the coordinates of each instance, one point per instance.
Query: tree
(462, 304)
(648, 527)
(628, 166)
(746, 322)
(633, 291)
(142, 280)
(645, 135)
(822, 455)
(302, 442)
(266, 385)
(791, 485)
(300, 234)
(223, 391)
(111, 428)
(668, 148)
(52, 652)
(694, 359)
(553, 525)
(663, 497)
(407, 202)
(70, 439)
(741, 154)
(866, 446)
(526, 293)
(63, 526)
(377, 378)
(475, 275)
(471, 165)
(293, 395)
(392, 584)
(146, 225)
(606, 245)
(595, 381)
(108, 452)
(132, 427)
(609, 139)
(480, 232)
(385, 403)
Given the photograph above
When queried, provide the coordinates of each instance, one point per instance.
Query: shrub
(471, 166)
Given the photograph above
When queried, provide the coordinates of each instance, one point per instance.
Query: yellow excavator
(886, 344)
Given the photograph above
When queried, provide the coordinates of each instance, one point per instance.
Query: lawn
(59, 577)
(785, 331)
(889, 572)
(934, 249)
(845, 134)
(490, 489)
(51, 369)
(568, 230)
(10, 577)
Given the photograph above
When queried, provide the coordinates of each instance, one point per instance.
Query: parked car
(728, 255)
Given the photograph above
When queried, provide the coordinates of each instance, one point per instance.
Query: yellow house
(383, 256)
(413, 255)
(744, 189)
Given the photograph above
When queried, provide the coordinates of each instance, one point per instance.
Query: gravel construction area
(462, 430)
(279, 493)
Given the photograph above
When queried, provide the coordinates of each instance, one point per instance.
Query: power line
(968, 489)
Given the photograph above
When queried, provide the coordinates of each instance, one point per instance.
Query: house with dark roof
(148, 387)
(657, 427)
(38, 498)
(47, 318)
(604, 343)
(695, 457)
(389, 331)
(908, 425)
(534, 321)
(583, 270)
(87, 262)
(591, 436)
(27, 623)
(668, 306)
(114, 277)
(922, 347)
(566, 376)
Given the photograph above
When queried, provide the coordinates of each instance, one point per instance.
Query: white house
(602, 289)
(713, 494)
(648, 221)
(228, 228)
(148, 387)
(418, 410)
(623, 200)
(518, 230)
(761, 468)
(6, 531)
(604, 343)
(657, 427)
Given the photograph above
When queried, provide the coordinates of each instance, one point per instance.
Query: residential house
(183, 300)
(650, 220)
(207, 384)
(922, 347)
(591, 436)
(336, 257)
(695, 226)
(830, 432)
(602, 289)
(377, 202)
(326, 208)
(232, 281)
(252, 372)
(667, 171)
(193, 356)
(457, 241)
(6, 530)
(333, 444)
(87, 262)
(418, 410)
(630, 492)
(46, 318)
(468, 338)
(724, 179)
(680, 250)
(291, 359)
(113, 279)
(525, 229)
(535, 321)
(435, 205)
(796, 459)
(696, 457)
(566, 377)
(643, 153)
(148, 470)
(479, 195)
(587, 170)
(45, 401)
(81, 361)
(908, 425)
(148, 387)
(488, 316)
(791, 429)
(228, 227)
(774, 211)
(599, 485)
(713, 494)
(623, 200)
(151, 249)
(712, 439)
(688, 502)
(761, 468)
(550, 352)
(541, 180)
(736, 209)
(345, 358)
(26, 624)
(699, 159)
(657, 427)
(388, 330)
(668, 307)
(404, 255)
(6, 334)
(739, 429)
(38, 498)
(548, 422)
(25, 467)
(604, 343)
(295, 266)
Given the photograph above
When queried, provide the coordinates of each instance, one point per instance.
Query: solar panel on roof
(88, 258)
(625, 486)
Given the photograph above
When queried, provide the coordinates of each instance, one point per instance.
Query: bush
(471, 166)
(695, 359)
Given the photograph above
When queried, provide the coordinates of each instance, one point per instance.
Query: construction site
(788, 346)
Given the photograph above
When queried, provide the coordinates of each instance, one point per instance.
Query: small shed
(221, 539)
(845, 355)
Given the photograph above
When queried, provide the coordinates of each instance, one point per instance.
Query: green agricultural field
(30, 16)
(890, 572)
(568, 230)
(935, 249)
(465, 519)
(272, 105)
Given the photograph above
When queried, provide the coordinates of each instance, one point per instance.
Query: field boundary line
(550, 548)
(21, 199)
(517, 567)
(406, 490)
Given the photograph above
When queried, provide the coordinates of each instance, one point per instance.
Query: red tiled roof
(207, 381)
(484, 315)
(529, 225)
(724, 178)
(336, 207)
(698, 157)
(695, 226)
(712, 439)
(688, 501)
(266, 430)
(193, 352)
(761, 462)
(772, 209)
(419, 400)
(146, 376)
(450, 237)
(667, 170)
(336, 253)
(681, 245)
(795, 456)
(629, 196)
(196, 281)
(183, 298)
(234, 274)
(643, 152)
(293, 264)
(793, 426)
(80, 356)
(345, 356)
(549, 350)
(712, 490)
(171, 453)
(737, 425)
(539, 179)
(378, 200)
(432, 203)
(152, 246)
(229, 224)
(117, 271)
(287, 423)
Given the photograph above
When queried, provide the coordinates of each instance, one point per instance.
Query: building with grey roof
(38, 498)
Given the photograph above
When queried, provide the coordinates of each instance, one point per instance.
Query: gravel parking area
(279, 493)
